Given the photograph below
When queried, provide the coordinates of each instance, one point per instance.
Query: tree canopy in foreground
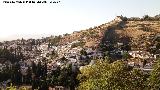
(114, 76)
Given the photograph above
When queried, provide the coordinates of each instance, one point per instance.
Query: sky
(41, 20)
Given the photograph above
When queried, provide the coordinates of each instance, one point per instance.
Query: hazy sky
(37, 20)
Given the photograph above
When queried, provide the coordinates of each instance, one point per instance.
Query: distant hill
(122, 29)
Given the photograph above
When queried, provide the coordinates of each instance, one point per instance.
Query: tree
(124, 18)
(114, 76)
(126, 55)
(158, 46)
(81, 44)
(83, 52)
(16, 74)
(154, 79)
(53, 77)
(139, 79)
(145, 17)
(34, 67)
(126, 47)
(29, 75)
(55, 40)
(63, 77)
(66, 34)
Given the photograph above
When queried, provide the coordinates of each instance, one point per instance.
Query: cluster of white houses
(39, 50)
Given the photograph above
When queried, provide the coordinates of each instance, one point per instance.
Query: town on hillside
(54, 62)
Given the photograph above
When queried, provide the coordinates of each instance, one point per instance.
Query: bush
(81, 44)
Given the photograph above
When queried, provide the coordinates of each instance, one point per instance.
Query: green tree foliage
(157, 17)
(154, 79)
(83, 52)
(126, 55)
(16, 76)
(39, 80)
(13, 74)
(66, 34)
(61, 77)
(126, 47)
(81, 44)
(55, 40)
(11, 87)
(5, 53)
(147, 17)
(5, 74)
(114, 76)
(29, 75)
(124, 18)
(158, 45)
(53, 77)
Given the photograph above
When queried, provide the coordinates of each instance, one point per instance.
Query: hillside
(135, 42)
(137, 32)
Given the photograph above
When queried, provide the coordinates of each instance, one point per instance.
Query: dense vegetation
(117, 76)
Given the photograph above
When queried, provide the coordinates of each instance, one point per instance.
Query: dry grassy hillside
(121, 29)
(136, 28)
(91, 36)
